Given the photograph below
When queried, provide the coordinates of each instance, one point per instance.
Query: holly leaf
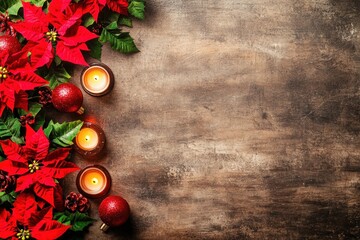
(34, 109)
(95, 48)
(7, 197)
(79, 221)
(10, 128)
(57, 75)
(14, 8)
(125, 22)
(122, 42)
(63, 134)
(137, 9)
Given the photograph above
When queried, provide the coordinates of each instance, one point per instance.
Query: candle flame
(94, 181)
(87, 138)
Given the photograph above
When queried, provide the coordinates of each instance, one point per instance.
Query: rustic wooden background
(239, 119)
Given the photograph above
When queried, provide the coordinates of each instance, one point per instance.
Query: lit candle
(97, 80)
(90, 140)
(93, 181)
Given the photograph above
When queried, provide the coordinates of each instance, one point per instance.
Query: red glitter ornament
(113, 211)
(68, 98)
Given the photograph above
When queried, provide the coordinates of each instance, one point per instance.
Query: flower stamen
(35, 165)
(23, 234)
(52, 36)
(3, 73)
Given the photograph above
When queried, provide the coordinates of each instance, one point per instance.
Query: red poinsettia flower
(35, 167)
(27, 222)
(58, 31)
(16, 76)
(93, 7)
(119, 6)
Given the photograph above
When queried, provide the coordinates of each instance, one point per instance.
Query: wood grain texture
(239, 119)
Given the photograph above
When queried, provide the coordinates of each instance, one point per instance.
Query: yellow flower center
(3, 73)
(23, 234)
(51, 35)
(35, 165)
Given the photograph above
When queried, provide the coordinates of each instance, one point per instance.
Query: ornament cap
(80, 111)
(104, 227)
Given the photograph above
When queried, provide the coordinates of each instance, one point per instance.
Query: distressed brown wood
(239, 119)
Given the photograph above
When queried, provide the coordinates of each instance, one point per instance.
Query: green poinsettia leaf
(121, 42)
(38, 3)
(48, 129)
(7, 197)
(78, 221)
(34, 109)
(14, 9)
(10, 128)
(112, 26)
(137, 9)
(39, 120)
(57, 75)
(125, 22)
(4, 5)
(95, 48)
(63, 134)
(88, 20)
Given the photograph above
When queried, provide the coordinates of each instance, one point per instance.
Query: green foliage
(10, 4)
(137, 9)
(95, 48)
(125, 22)
(38, 3)
(57, 75)
(62, 134)
(121, 42)
(10, 127)
(78, 221)
(7, 198)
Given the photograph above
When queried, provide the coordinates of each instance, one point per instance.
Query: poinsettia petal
(24, 182)
(70, 54)
(58, 6)
(7, 96)
(14, 168)
(58, 199)
(70, 21)
(32, 13)
(7, 225)
(49, 230)
(43, 214)
(45, 179)
(119, 6)
(12, 150)
(37, 143)
(58, 167)
(93, 7)
(31, 31)
(82, 35)
(44, 192)
(24, 206)
(21, 100)
(28, 80)
(41, 53)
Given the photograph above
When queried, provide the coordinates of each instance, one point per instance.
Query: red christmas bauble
(114, 211)
(67, 98)
(10, 44)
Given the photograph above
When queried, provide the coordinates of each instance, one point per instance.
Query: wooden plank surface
(239, 119)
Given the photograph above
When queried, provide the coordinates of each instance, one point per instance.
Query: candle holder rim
(111, 80)
(107, 186)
